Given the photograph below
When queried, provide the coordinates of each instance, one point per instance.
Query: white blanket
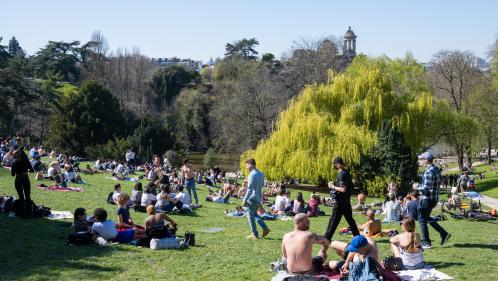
(59, 215)
(422, 274)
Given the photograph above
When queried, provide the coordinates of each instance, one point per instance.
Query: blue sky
(200, 29)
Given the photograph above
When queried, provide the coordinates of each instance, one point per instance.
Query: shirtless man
(298, 244)
(188, 178)
(373, 226)
(359, 248)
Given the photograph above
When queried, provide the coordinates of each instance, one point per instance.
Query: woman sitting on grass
(157, 219)
(407, 246)
(124, 217)
(148, 198)
(299, 205)
(107, 229)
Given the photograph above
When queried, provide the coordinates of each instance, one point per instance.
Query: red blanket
(60, 188)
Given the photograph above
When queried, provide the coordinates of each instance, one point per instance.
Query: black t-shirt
(344, 180)
(125, 212)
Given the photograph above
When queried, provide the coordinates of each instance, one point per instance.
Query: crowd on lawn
(173, 191)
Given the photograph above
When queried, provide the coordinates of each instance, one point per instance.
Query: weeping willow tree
(342, 118)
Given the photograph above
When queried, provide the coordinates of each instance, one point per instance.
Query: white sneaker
(101, 241)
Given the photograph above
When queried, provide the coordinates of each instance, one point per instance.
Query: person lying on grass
(407, 246)
(107, 229)
(358, 250)
(123, 213)
(157, 219)
(218, 197)
(297, 248)
(373, 226)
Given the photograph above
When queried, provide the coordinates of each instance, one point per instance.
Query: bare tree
(454, 75)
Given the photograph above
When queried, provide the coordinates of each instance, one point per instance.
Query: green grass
(34, 249)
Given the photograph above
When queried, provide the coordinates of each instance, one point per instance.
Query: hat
(359, 241)
(426, 155)
(338, 160)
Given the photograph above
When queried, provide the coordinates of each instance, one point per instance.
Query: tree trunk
(459, 152)
(490, 160)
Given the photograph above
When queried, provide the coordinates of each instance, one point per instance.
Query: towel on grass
(332, 276)
(422, 274)
(473, 195)
(59, 215)
(60, 188)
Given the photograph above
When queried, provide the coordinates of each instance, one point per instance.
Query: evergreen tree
(84, 117)
(151, 138)
(14, 48)
(167, 83)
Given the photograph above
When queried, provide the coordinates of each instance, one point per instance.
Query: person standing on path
(428, 200)
(341, 193)
(252, 200)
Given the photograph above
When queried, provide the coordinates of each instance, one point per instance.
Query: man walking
(252, 200)
(428, 200)
(341, 193)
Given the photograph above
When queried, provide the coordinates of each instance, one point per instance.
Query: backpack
(80, 238)
(7, 204)
(165, 243)
(109, 198)
(40, 211)
(393, 263)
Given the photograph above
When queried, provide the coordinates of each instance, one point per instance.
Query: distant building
(188, 64)
(482, 64)
(349, 45)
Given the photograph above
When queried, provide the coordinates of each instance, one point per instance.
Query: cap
(359, 241)
(338, 160)
(426, 155)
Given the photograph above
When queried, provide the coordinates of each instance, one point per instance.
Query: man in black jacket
(341, 192)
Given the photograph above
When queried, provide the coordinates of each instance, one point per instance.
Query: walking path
(490, 202)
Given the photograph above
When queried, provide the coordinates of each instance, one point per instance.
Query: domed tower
(349, 44)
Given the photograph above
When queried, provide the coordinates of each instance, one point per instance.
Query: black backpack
(393, 263)
(8, 205)
(80, 238)
(109, 198)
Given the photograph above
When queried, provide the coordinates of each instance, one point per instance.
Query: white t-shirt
(184, 198)
(50, 172)
(280, 203)
(151, 175)
(106, 229)
(98, 165)
(130, 155)
(70, 176)
(158, 196)
(148, 199)
(392, 211)
(115, 196)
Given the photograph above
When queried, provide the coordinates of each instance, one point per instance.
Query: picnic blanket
(428, 273)
(60, 188)
(59, 215)
(473, 195)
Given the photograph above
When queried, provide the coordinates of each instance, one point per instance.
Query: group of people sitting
(103, 230)
(285, 206)
(297, 249)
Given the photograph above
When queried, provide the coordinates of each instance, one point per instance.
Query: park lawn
(489, 185)
(35, 249)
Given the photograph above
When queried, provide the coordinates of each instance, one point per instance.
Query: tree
(4, 54)
(14, 48)
(210, 158)
(85, 117)
(167, 83)
(58, 57)
(342, 118)
(454, 75)
(192, 120)
(244, 48)
(152, 137)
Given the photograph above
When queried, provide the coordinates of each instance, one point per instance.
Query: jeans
(190, 184)
(340, 209)
(425, 207)
(253, 217)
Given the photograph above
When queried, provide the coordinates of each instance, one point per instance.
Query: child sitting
(373, 226)
(107, 229)
(148, 198)
(362, 198)
(117, 192)
(124, 218)
(454, 201)
(81, 224)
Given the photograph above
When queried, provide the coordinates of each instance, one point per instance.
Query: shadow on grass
(36, 248)
(477, 246)
(486, 184)
(440, 265)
